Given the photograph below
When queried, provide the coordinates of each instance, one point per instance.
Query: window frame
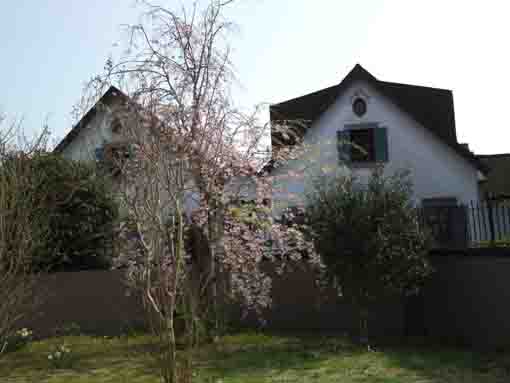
(379, 150)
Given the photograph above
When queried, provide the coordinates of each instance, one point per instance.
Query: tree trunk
(171, 368)
(216, 228)
(361, 303)
(363, 325)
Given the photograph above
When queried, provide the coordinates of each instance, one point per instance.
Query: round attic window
(359, 107)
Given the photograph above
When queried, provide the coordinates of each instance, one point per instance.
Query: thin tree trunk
(363, 325)
(172, 367)
(216, 252)
(362, 305)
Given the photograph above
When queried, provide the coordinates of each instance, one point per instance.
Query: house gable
(437, 170)
(93, 129)
(430, 107)
(94, 134)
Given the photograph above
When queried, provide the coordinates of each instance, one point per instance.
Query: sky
(283, 49)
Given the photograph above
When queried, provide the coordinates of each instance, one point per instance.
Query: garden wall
(94, 300)
(300, 305)
(467, 301)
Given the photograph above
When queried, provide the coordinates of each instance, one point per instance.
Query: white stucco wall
(95, 134)
(436, 169)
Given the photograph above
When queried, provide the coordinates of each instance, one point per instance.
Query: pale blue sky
(285, 48)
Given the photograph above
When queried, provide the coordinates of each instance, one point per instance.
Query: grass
(256, 358)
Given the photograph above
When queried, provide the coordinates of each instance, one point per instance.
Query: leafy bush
(68, 329)
(368, 236)
(80, 211)
(18, 340)
(62, 357)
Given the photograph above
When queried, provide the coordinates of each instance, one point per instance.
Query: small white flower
(50, 357)
(57, 354)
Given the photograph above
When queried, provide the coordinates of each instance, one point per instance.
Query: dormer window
(116, 125)
(359, 107)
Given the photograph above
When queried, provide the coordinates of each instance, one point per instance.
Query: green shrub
(18, 340)
(368, 236)
(62, 357)
(79, 210)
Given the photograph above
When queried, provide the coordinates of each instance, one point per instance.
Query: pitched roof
(498, 180)
(106, 99)
(431, 107)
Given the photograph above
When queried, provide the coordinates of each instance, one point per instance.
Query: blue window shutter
(99, 153)
(381, 144)
(344, 145)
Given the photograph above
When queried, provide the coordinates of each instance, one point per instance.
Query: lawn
(256, 358)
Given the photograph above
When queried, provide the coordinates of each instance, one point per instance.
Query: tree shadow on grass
(304, 357)
(260, 354)
(436, 363)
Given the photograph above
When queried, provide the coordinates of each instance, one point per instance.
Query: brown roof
(498, 179)
(431, 107)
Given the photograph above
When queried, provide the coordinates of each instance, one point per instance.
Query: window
(116, 125)
(117, 152)
(359, 107)
(363, 146)
(364, 143)
(99, 153)
(113, 155)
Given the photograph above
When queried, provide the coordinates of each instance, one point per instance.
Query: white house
(96, 130)
(404, 126)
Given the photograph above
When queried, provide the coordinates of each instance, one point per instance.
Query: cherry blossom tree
(196, 202)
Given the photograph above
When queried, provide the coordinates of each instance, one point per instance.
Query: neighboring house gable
(100, 136)
(404, 126)
(498, 179)
(96, 128)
